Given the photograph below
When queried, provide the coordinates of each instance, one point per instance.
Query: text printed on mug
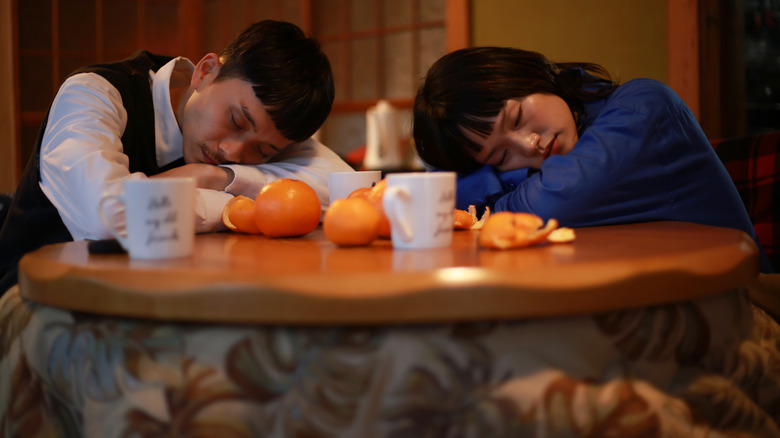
(444, 218)
(157, 231)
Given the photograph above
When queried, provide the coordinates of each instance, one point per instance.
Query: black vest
(32, 220)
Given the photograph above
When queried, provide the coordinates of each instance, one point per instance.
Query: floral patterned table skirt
(705, 368)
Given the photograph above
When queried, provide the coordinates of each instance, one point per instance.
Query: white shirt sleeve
(81, 154)
(82, 160)
(309, 161)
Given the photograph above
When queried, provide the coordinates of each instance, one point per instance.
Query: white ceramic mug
(420, 208)
(341, 184)
(159, 217)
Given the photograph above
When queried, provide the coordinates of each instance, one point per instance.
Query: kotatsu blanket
(709, 367)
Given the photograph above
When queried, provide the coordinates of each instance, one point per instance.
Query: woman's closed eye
(503, 159)
(518, 118)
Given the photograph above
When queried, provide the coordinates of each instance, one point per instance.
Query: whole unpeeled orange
(351, 222)
(374, 196)
(239, 215)
(287, 208)
(360, 192)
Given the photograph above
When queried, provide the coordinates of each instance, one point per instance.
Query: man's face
(225, 123)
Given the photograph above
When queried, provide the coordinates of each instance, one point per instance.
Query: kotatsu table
(242, 278)
(628, 330)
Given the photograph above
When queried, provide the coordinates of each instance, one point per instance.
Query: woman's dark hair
(289, 74)
(464, 88)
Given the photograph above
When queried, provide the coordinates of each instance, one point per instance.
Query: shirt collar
(168, 138)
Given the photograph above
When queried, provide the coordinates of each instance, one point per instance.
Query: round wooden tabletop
(238, 278)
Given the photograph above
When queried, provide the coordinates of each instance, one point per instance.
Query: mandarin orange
(361, 192)
(287, 208)
(239, 215)
(374, 196)
(351, 222)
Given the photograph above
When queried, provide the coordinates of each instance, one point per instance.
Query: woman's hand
(206, 176)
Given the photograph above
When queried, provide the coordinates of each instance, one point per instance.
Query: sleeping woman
(564, 141)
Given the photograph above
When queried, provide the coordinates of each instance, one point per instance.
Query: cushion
(752, 162)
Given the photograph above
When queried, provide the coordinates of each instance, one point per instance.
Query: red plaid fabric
(754, 165)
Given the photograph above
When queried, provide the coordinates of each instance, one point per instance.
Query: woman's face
(527, 131)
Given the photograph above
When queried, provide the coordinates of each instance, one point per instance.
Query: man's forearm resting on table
(206, 176)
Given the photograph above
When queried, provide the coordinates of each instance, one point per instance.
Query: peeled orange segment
(239, 215)
(463, 219)
(506, 230)
(351, 222)
(287, 208)
(562, 235)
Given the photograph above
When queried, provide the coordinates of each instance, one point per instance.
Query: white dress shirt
(82, 159)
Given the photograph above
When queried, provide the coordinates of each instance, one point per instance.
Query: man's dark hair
(289, 74)
(466, 87)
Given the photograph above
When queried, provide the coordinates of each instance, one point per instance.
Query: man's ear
(206, 70)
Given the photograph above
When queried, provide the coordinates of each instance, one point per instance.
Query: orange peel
(239, 215)
(505, 230)
(478, 224)
(562, 235)
(463, 219)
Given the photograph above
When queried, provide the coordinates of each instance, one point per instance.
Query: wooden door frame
(457, 24)
(706, 62)
(11, 162)
(683, 50)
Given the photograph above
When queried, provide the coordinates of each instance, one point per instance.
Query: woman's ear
(206, 70)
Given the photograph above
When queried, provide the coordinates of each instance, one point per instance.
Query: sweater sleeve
(483, 187)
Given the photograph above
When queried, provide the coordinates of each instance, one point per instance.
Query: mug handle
(122, 239)
(393, 200)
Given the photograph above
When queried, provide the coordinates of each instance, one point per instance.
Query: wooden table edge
(429, 301)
